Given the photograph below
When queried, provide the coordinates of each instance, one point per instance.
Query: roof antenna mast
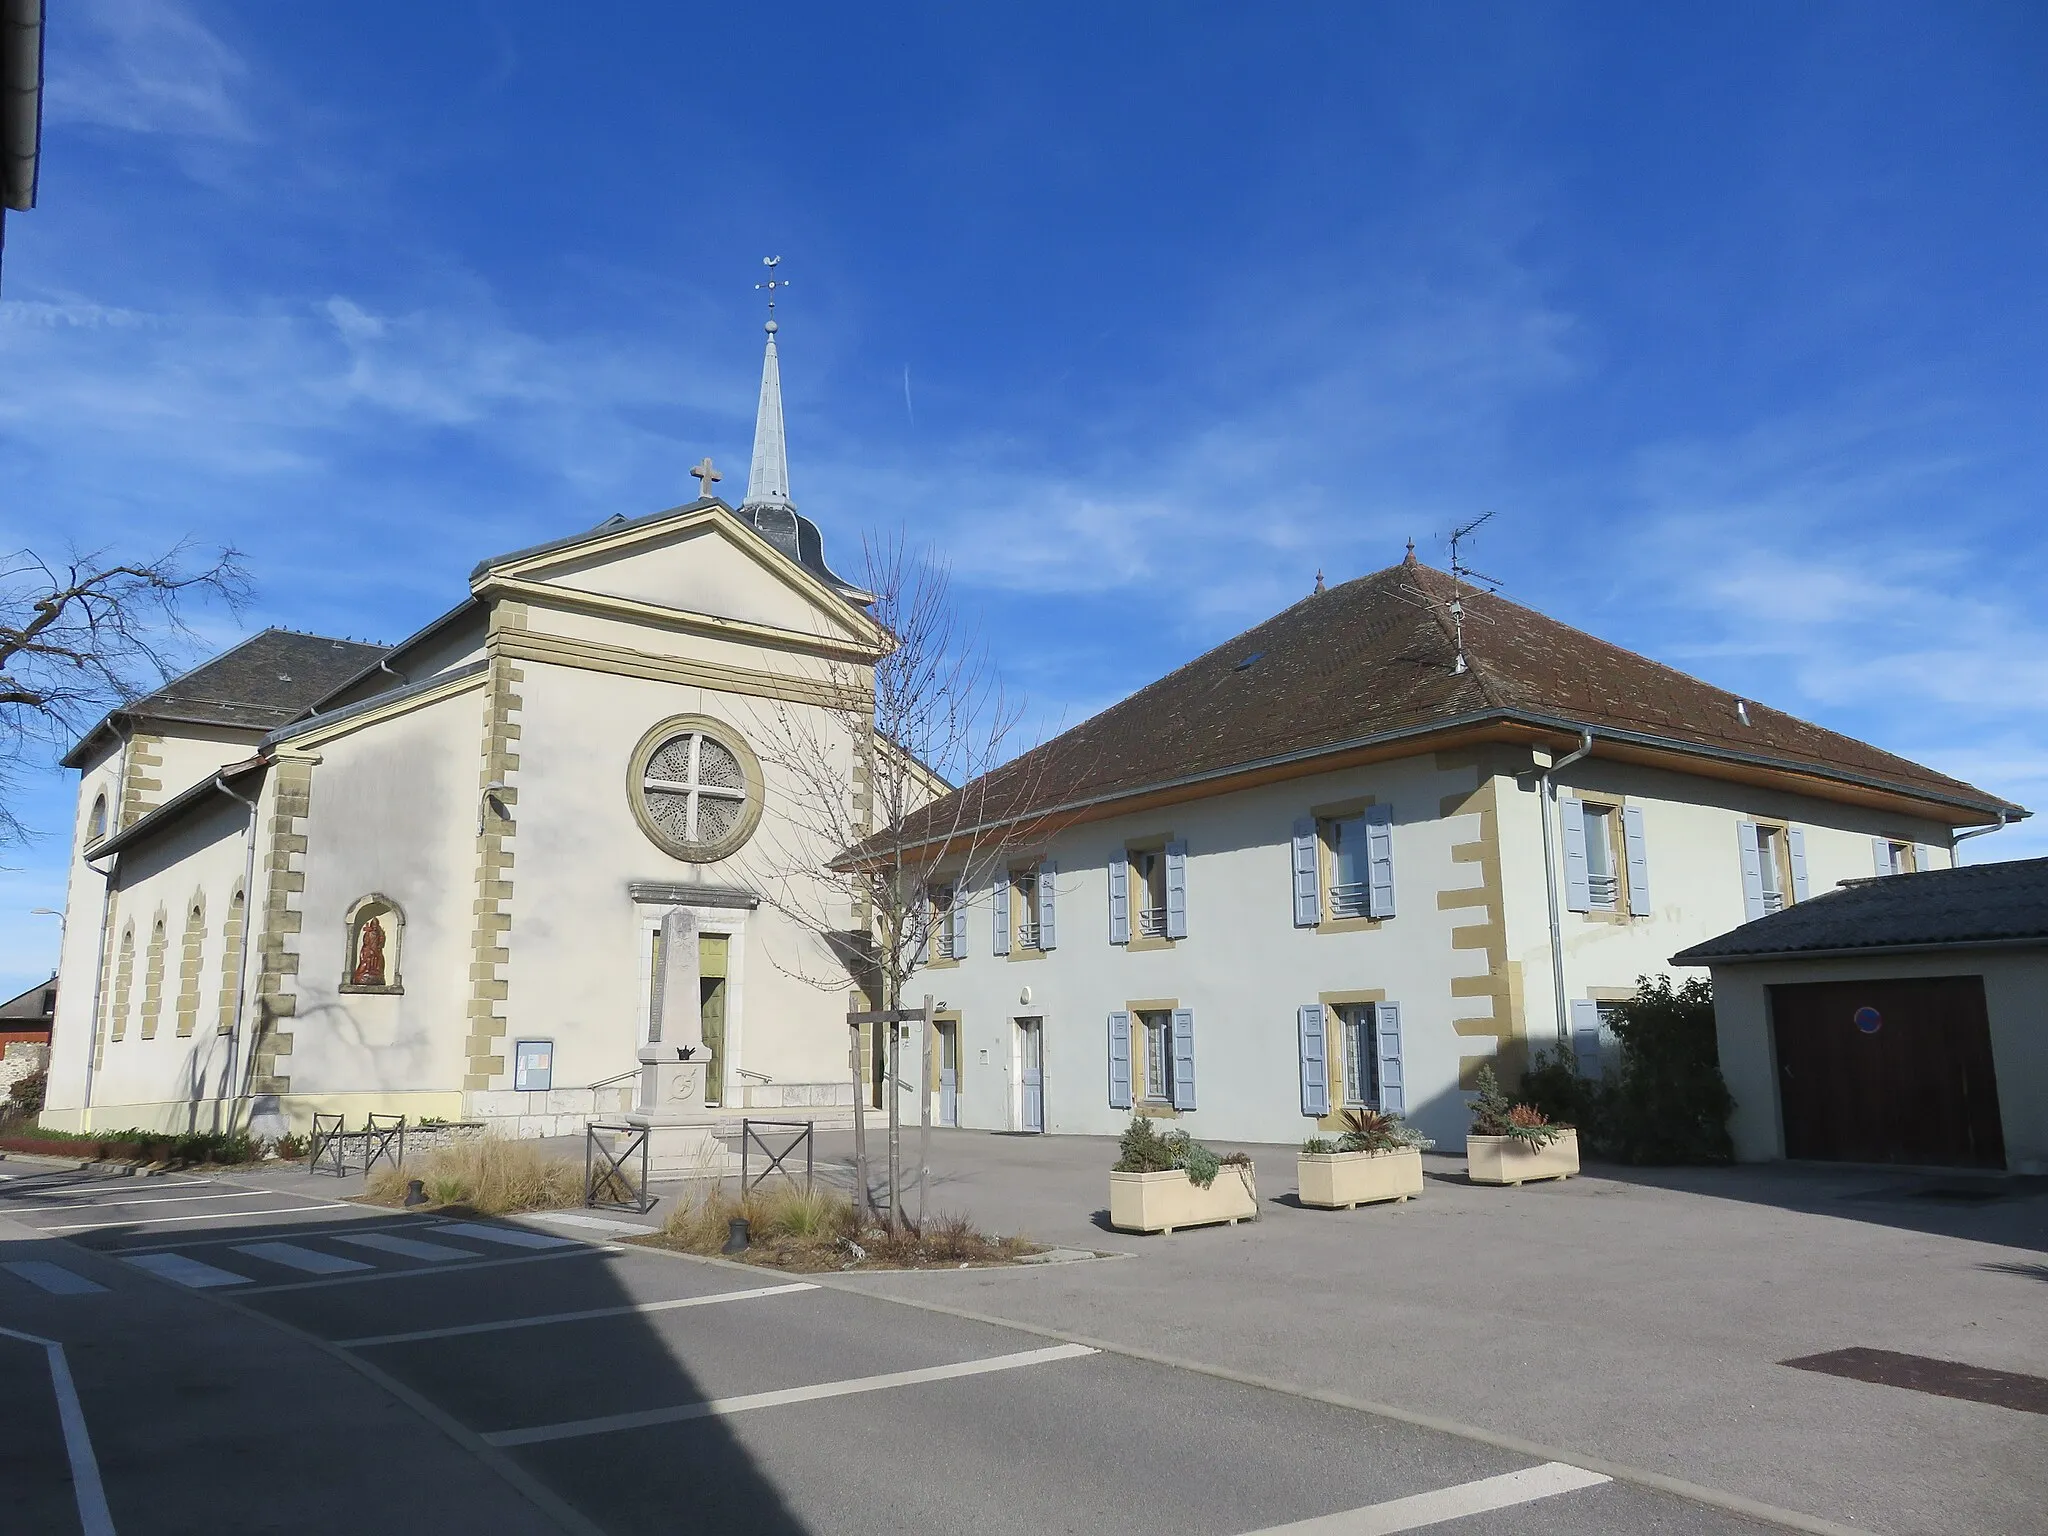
(1459, 572)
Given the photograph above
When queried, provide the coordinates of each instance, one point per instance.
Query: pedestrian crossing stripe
(408, 1247)
(53, 1278)
(511, 1237)
(186, 1272)
(308, 1261)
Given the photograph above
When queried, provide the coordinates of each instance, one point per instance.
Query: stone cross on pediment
(705, 476)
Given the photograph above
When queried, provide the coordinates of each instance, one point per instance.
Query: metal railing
(805, 1137)
(1603, 891)
(336, 1149)
(1151, 922)
(328, 1150)
(611, 1182)
(383, 1141)
(1351, 898)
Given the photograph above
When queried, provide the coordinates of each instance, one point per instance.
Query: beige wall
(2015, 995)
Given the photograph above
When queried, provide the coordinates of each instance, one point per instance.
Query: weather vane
(774, 282)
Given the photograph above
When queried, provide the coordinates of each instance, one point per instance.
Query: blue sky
(1732, 313)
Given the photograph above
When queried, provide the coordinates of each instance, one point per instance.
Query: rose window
(698, 793)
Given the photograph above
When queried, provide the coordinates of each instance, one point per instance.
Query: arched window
(376, 935)
(96, 823)
(153, 979)
(188, 964)
(124, 979)
(230, 963)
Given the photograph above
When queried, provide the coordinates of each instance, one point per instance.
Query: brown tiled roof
(269, 679)
(1372, 659)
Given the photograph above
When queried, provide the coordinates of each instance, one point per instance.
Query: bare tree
(880, 855)
(80, 637)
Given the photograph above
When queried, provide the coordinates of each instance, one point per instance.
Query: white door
(949, 1074)
(1031, 1074)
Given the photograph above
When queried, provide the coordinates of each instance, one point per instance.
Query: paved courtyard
(254, 1353)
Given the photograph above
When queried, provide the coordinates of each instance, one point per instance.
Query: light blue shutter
(1795, 844)
(1586, 1036)
(1315, 1060)
(958, 918)
(1578, 890)
(1183, 1058)
(1001, 906)
(1752, 870)
(1636, 852)
(1881, 856)
(1177, 889)
(1386, 1018)
(921, 928)
(1119, 897)
(1379, 860)
(1047, 871)
(1923, 856)
(1119, 1061)
(1308, 896)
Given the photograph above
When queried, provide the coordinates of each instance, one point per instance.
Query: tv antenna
(1460, 572)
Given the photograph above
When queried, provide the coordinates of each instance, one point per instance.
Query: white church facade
(428, 880)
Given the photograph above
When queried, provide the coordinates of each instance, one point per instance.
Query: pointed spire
(768, 480)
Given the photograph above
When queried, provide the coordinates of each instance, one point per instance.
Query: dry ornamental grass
(794, 1230)
(491, 1175)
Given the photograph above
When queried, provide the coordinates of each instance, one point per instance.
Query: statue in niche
(369, 971)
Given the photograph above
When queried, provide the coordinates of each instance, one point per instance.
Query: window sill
(396, 989)
(1149, 941)
(1621, 916)
(938, 963)
(1153, 1110)
(1018, 952)
(1350, 924)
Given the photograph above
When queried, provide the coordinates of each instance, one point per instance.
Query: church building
(430, 879)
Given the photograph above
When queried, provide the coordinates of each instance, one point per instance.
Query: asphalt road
(248, 1358)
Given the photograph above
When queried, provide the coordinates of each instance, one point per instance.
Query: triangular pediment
(696, 560)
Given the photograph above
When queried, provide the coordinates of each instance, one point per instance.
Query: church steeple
(768, 478)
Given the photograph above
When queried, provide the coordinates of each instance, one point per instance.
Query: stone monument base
(680, 1147)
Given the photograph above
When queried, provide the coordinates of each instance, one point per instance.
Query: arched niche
(375, 946)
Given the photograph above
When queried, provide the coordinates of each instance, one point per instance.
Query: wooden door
(1031, 1061)
(1895, 1071)
(949, 1074)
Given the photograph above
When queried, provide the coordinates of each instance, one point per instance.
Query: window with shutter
(1120, 897)
(1157, 1025)
(1379, 860)
(1177, 889)
(1795, 856)
(1119, 1060)
(1636, 853)
(1308, 896)
(1578, 886)
(1183, 1058)
(1048, 885)
(956, 925)
(1315, 1060)
(999, 904)
(1393, 1076)
(1586, 1036)
(1750, 844)
(1359, 1042)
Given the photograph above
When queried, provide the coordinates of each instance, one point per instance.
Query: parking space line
(164, 1221)
(1454, 1503)
(307, 1261)
(122, 1205)
(53, 1278)
(435, 1270)
(574, 1317)
(187, 1272)
(94, 1518)
(509, 1237)
(724, 1407)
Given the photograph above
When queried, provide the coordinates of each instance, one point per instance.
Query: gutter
(2005, 819)
(1863, 951)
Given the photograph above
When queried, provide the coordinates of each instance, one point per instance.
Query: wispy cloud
(148, 66)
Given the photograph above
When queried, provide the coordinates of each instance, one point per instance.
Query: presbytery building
(431, 879)
(1348, 857)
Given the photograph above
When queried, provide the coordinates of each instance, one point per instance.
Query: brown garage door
(1888, 1072)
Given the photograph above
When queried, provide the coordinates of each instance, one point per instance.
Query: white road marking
(578, 1252)
(299, 1229)
(510, 1237)
(309, 1261)
(1455, 1503)
(574, 1317)
(93, 1515)
(578, 1219)
(165, 1221)
(187, 1272)
(54, 1278)
(723, 1407)
(408, 1247)
(122, 1205)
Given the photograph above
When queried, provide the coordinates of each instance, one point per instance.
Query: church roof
(258, 685)
(1372, 662)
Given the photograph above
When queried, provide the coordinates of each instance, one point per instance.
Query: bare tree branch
(79, 638)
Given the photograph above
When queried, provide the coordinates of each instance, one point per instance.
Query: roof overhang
(1513, 727)
(1860, 951)
(177, 808)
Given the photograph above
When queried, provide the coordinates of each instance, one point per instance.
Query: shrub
(1142, 1149)
(1319, 1145)
(792, 1229)
(25, 1098)
(1667, 1101)
(1494, 1114)
(1555, 1086)
(1372, 1130)
(495, 1176)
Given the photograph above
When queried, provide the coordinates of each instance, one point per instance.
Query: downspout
(1546, 808)
(228, 1073)
(99, 984)
(2004, 820)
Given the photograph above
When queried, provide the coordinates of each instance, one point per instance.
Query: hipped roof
(1373, 661)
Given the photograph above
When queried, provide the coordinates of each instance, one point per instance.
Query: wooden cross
(706, 476)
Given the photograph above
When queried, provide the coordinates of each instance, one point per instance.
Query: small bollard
(415, 1192)
(736, 1238)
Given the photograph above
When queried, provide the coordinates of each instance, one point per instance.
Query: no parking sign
(1869, 1020)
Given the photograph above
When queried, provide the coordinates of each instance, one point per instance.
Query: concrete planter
(1165, 1202)
(1337, 1181)
(1505, 1160)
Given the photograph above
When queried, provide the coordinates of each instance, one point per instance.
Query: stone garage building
(1901, 1019)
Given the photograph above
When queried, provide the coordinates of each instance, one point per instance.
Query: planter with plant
(1378, 1157)
(1513, 1143)
(1161, 1183)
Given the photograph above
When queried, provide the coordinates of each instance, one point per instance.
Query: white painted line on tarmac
(93, 1515)
(54, 1278)
(574, 1317)
(724, 1407)
(122, 1205)
(1455, 1503)
(307, 1261)
(297, 1229)
(408, 1247)
(598, 1223)
(510, 1237)
(187, 1272)
(434, 1272)
(165, 1221)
